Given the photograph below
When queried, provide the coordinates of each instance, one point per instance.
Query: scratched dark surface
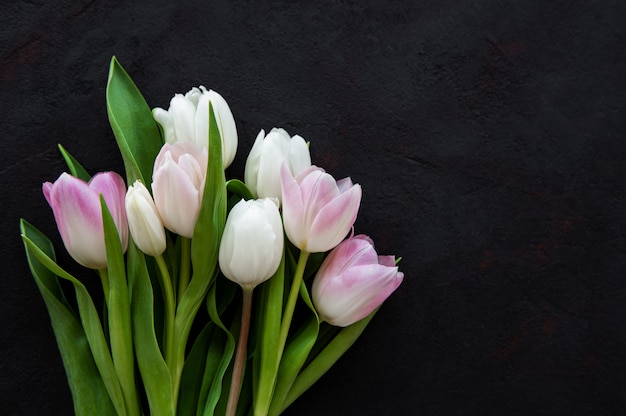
(488, 137)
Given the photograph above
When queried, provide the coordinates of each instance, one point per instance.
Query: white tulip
(252, 242)
(187, 120)
(144, 221)
(262, 172)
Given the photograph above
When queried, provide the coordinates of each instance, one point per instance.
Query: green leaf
(222, 357)
(193, 373)
(326, 359)
(239, 189)
(295, 355)
(85, 382)
(266, 358)
(154, 372)
(136, 132)
(76, 169)
(118, 307)
(90, 322)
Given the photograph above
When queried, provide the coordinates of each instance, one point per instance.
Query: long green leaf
(222, 358)
(88, 390)
(266, 358)
(326, 359)
(193, 373)
(295, 355)
(118, 307)
(136, 132)
(154, 373)
(91, 324)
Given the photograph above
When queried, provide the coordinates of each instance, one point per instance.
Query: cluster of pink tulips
(283, 195)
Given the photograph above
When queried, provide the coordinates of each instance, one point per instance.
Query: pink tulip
(77, 211)
(353, 281)
(318, 211)
(178, 184)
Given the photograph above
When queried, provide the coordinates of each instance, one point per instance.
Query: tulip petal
(318, 189)
(78, 216)
(252, 163)
(293, 209)
(226, 124)
(183, 113)
(176, 199)
(201, 123)
(356, 294)
(272, 156)
(299, 156)
(334, 220)
(113, 189)
(164, 118)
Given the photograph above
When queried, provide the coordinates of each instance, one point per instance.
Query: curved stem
(170, 310)
(185, 263)
(240, 357)
(291, 301)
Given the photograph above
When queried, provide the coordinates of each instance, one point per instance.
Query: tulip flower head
(78, 214)
(144, 222)
(252, 243)
(262, 173)
(318, 212)
(178, 184)
(353, 281)
(187, 120)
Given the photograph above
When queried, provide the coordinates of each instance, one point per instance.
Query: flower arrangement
(220, 297)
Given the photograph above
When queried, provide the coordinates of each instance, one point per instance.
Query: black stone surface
(488, 137)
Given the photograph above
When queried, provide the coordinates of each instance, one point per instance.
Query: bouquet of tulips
(220, 297)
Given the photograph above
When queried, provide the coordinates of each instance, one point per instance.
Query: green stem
(240, 356)
(170, 310)
(185, 263)
(291, 301)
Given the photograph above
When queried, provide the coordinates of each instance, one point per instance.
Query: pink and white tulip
(318, 212)
(187, 120)
(178, 185)
(78, 214)
(144, 221)
(353, 281)
(262, 173)
(252, 243)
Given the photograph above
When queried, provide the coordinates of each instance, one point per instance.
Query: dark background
(488, 138)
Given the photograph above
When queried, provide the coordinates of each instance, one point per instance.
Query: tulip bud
(353, 281)
(187, 120)
(144, 221)
(178, 185)
(252, 242)
(262, 173)
(78, 214)
(318, 212)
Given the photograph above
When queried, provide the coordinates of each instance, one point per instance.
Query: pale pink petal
(333, 222)
(293, 209)
(176, 199)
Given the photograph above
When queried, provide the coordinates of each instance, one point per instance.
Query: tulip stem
(291, 301)
(170, 310)
(240, 356)
(185, 260)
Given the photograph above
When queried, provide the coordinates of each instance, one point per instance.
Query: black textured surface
(488, 137)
